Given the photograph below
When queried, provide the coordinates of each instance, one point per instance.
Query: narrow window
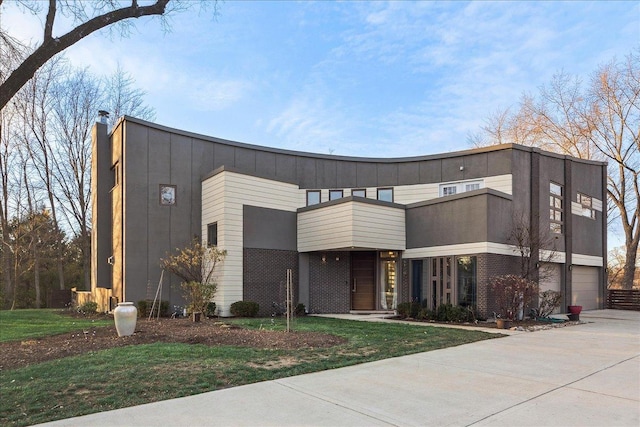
(359, 193)
(555, 207)
(449, 190)
(467, 281)
(115, 175)
(385, 194)
(587, 206)
(313, 197)
(335, 194)
(212, 234)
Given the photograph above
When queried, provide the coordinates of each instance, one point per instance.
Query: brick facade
(490, 265)
(265, 277)
(330, 291)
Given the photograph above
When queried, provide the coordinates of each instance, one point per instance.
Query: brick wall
(490, 265)
(265, 277)
(329, 290)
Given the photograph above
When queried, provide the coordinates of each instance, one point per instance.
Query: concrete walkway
(585, 375)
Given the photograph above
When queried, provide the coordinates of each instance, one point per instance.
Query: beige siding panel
(460, 249)
(585, 289)
(597, 204)
(590, 260)
(503, 183)
(223, 198)
(351, 224)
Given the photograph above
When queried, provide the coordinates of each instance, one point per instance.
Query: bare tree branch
(52, 46)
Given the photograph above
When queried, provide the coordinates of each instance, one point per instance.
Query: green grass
(126, 376)
(26, 324)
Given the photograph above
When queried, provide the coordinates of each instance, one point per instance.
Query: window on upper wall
(359, 193)
(212, 234)
(313, 197)
(587, 206)
(335, 194)
(460, 187)
(556, 211)
(115, 175)
(385, 194)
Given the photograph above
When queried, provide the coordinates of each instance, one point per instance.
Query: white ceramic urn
(125, 316)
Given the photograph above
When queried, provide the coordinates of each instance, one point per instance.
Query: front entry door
(363, 280)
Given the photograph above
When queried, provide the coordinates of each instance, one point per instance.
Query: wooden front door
(363, 280)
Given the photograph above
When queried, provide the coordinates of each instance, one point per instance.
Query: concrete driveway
(585, 375)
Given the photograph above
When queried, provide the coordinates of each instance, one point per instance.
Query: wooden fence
(623, 299)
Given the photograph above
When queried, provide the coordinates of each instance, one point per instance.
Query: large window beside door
(389, 280)
(467, 280)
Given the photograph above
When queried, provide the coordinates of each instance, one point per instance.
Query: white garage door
(550, 279)
(585, 287)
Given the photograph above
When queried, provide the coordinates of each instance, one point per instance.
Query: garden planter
(503, 323)
(575, 309)
(125, 316)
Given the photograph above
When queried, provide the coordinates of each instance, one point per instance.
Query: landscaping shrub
(513, 294)
(145, 305)
(454, 313)
(300, 310)
(549, 301)
(245, 309)
(211, 309)
(404, 309)
(89, 307)
(426, 314)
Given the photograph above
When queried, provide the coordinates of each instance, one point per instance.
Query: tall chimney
(103, 116)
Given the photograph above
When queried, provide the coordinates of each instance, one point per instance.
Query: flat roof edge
(461, 153)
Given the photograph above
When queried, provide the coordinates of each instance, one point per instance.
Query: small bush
(300, 310)
(404, 309)
(144, 307)
(211, 309)
(89, 307)
(454, 313)
(549, 301)
(426, 314)
(245, 309)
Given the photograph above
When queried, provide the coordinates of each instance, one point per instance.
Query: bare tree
(613, 119)
(536, 249)
(598, 122)
(76, 100)
(34, 105)
(88, 17)
(123, 97)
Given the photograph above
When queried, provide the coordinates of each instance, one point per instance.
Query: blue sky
(375, 79)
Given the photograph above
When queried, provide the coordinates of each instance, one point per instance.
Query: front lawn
(137, 374)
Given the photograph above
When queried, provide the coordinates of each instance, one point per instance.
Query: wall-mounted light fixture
(337, 258)
(461, 168)
(324, 258)
(570, 267)
(537, 265)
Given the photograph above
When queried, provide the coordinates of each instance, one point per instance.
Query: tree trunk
(629, 269)
(36, 275)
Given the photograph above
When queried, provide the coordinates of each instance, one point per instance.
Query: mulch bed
(211, 332)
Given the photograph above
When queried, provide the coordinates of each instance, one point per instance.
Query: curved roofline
(445, 155)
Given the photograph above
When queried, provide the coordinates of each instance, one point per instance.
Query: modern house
(359, 234)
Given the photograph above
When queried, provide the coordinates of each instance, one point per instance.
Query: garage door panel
(585, 287)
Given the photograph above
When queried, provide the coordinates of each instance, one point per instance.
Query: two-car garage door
(586, 289)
